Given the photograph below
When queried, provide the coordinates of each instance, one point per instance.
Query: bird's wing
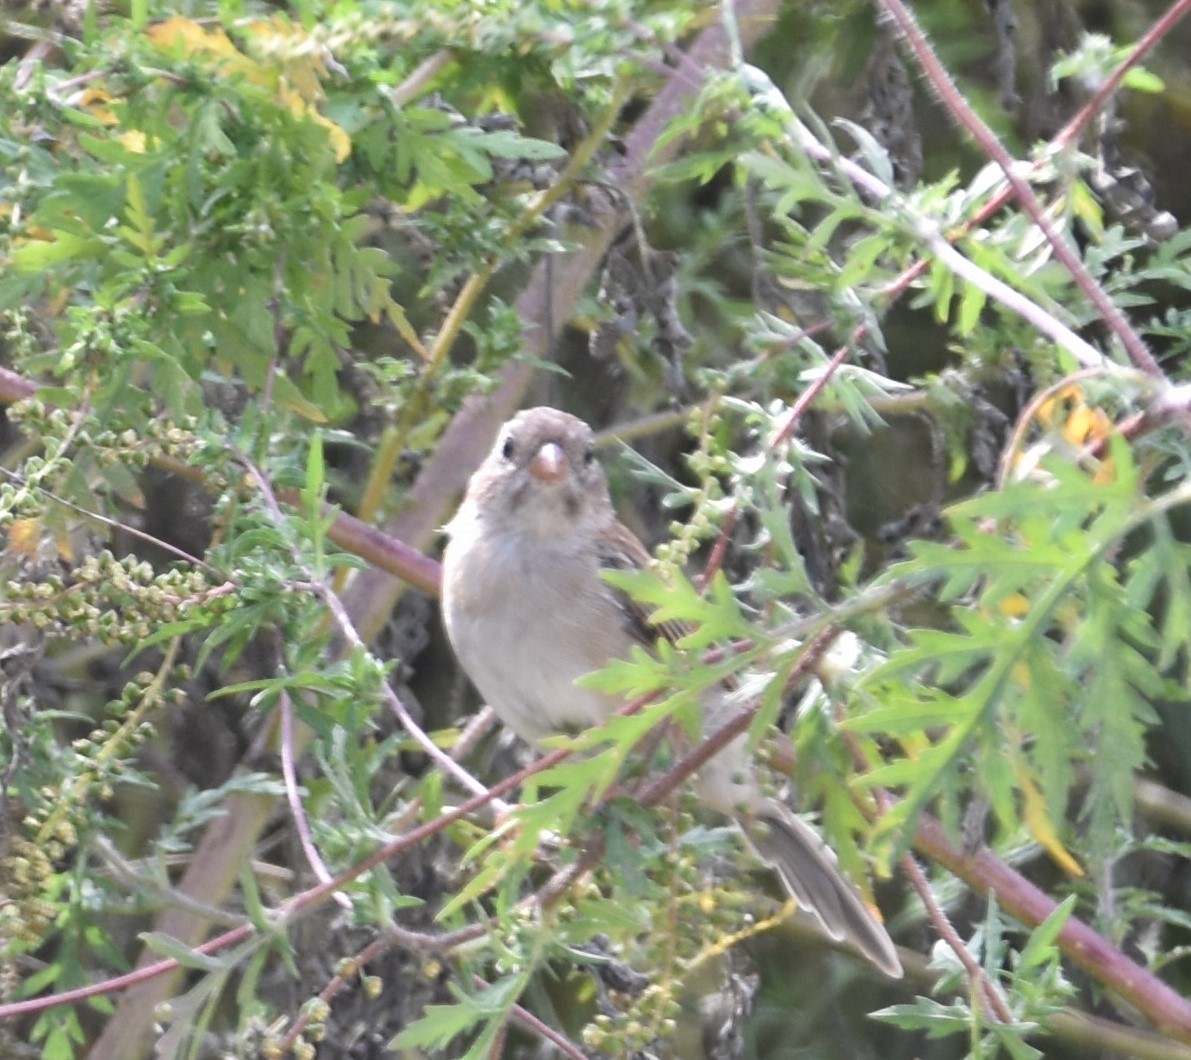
(619, 549)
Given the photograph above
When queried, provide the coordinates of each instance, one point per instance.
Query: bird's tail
(811, 874)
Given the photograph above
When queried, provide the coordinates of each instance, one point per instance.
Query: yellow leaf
(1075, 429)
(303, 58)
(1015, 605)
(134, 140)
(1038, 823)
(57, 302)
(285, 58)
(1086, 424)
(188, 37)
(340, 142)
(1022, 675)
(92, 100)
(1087, 209)
(24, 536)
(63, 546)
(1106, 473)
(914, 746)
(192, 40)
(291, 398)
(9, 213)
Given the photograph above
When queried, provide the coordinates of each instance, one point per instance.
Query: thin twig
(928, 231)
(946, 931)
(289, 774)
(1149, 40)
(420, 78)
(947, 91)
(1013, 445)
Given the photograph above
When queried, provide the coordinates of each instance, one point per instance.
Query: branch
(1159, 30)
(924, 228)
(985, 873)
(960, 109)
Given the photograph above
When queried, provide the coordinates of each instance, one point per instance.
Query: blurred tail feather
(810, 872)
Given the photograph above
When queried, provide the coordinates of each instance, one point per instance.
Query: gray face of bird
(541, 478)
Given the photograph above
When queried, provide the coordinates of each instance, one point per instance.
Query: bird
(527, 613)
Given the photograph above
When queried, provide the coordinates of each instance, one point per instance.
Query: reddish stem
(1064, 253)
(986, 873)
(1166, 22)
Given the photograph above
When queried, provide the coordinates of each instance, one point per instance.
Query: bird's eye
(589, 455)
(508, 449)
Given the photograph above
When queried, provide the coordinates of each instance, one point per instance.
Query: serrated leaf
(504, 143)
(911, 715)
(1013, 1040)
(442, 1024)
(860, 261)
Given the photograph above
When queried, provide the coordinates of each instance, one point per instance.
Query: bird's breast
(526, 623)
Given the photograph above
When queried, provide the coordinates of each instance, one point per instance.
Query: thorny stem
(946, 931)
(934, 912)
(940, 79)
(1149, 40)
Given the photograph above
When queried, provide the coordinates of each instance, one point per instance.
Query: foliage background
(910, 436)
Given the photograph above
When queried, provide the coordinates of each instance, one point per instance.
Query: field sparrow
(527, 613)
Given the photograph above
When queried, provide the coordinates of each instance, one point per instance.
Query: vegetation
(900, 360)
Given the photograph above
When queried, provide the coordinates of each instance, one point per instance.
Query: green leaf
(316, 470)
(438, 1026)
(971, 305)
(186, 956)
(912, 713)
(442, 1024)
(1141, 80)
(926, 1014)
(1040, 948)
(504, 143)
(39, 255)
(64, 1036)
(1013, 1040)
